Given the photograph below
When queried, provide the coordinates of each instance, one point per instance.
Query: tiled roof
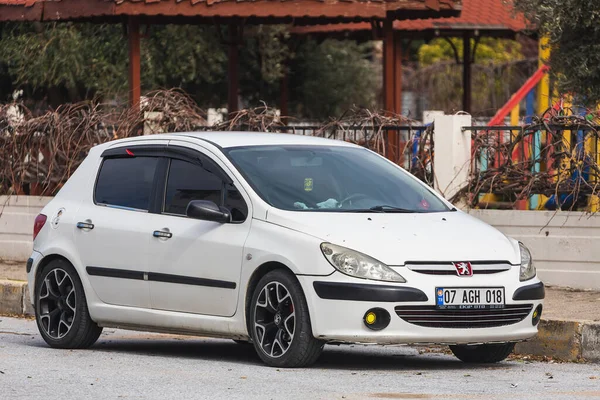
(483, 15)
(26, 3)
(318, 11)
(487, 14)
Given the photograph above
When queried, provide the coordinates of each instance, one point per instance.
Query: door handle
(162, 234)
(85, 225)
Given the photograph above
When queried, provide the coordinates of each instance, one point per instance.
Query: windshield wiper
(386, 208)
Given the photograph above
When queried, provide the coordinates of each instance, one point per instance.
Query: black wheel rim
(274, 319)
(57, 304)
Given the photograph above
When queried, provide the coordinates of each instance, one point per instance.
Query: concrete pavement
(132, 365)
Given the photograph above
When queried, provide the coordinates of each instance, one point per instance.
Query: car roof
(240, 139)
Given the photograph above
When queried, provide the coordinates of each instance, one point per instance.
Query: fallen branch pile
(563, 169)
(39, 153)
(258, 119)
(365, 127)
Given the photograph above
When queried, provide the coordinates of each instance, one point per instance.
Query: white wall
(565, 245)
(17, 214)
(452, 153)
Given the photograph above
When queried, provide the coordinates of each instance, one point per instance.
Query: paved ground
(571, 305)
(133, 365)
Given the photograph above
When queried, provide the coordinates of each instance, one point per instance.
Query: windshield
(335, 178)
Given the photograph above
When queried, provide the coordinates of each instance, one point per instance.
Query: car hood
(395, 238)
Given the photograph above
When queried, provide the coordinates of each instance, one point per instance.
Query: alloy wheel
(57, 303)
(274, 319)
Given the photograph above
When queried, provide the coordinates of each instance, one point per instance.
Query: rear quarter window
(126, 182)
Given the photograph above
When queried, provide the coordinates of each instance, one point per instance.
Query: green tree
(91, 59)
(265, 56)
(573, 29)
(191, 57)
(488, 50)
(334, 75)
(64, 55)
(57, 63)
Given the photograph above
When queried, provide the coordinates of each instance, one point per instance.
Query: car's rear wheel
(61, 308)
(280, 323)
(483, 353)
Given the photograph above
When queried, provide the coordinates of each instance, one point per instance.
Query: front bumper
(338, 303)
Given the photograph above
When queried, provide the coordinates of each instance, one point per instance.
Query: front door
(195, 265)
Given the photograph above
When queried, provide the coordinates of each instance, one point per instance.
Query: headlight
(356, 264)
(527, 268)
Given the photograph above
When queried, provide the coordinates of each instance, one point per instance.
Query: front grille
(431, 317)
(453, 272)
(448, 268)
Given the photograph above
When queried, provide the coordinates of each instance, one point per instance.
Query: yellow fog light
(376, 319)
(370, 318)
(537, 314)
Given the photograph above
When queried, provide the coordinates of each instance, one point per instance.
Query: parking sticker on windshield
(308, 184)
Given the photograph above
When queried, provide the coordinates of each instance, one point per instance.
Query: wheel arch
(47, 260)
(256, 276)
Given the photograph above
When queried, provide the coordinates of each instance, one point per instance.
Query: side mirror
(208, 211)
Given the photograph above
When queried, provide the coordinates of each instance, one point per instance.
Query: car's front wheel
(483, 353)
(61, 308)
(280, 323)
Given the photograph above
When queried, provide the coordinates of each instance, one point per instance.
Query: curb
(561, 340)
(14, 298)
(564, 340)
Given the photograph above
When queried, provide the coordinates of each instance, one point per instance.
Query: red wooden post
(233, 69)
(397, 73)
(467, 64)
(400, 144)
(392, 84)
(388, 66)
(133, 38)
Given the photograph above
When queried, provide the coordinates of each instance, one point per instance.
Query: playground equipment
(547, 161)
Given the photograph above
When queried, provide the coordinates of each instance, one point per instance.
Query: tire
(484, 353)
(61, 310)
(280, 324)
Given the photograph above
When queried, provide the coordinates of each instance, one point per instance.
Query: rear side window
(126, 182)
(187, 182)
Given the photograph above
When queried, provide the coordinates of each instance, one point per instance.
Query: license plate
(469, 298)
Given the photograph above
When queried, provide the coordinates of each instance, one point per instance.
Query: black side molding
(115, 273)
(29, 265)
(189, 280)
(364, 292)
(158, 277)
(530, 292)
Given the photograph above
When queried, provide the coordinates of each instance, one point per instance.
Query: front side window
(126, 182)
(331, 178)
(187, 182)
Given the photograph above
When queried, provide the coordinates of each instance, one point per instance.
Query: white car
(288, 242)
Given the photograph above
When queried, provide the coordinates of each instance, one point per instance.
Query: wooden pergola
(478, 18)
(380, 14)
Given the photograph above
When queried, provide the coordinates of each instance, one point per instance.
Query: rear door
(197, 269)
(114, 229)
